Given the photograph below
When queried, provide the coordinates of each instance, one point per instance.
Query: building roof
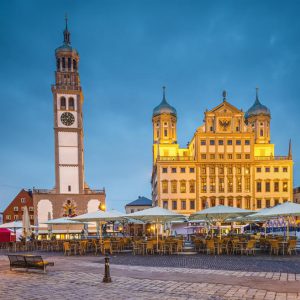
(164, 107)
(257, 109)
(141, 201)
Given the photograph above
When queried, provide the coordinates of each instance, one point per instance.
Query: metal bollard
(106, 277)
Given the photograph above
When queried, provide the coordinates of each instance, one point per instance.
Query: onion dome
(164, 107)
(257, 109)
(66, 46)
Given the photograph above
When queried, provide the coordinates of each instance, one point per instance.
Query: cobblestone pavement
(81, 278)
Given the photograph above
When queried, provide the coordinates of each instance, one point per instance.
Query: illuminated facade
(230, 160)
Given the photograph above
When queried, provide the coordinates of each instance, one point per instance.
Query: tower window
(58, 64)
(157, 133)
(165, 132)
(69, 63)
(63, 63)
(74, 64)
(71, 103)
(261, 132)
(62, 103)
(69, 188)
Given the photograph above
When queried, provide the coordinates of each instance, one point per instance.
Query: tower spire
(164, 93)
(67, 34)
(290, 154)
(256, 98)
(224, 95)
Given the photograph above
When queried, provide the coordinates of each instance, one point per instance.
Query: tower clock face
(67, 118)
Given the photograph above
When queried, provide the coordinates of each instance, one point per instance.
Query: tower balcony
(271, 158)
(175, 158)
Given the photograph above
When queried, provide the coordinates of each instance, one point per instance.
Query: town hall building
(230, 160)
(71, 195)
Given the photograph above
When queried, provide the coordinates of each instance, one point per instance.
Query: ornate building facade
(71, 196)
(230, 161)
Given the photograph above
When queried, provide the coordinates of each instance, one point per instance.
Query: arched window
(58, 64)
(63, 63)
(261, 132)
(62, 103)
(71, 103)
(74, 65)
(69, 63)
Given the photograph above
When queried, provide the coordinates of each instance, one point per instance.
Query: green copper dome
(257, 109)
(164, 107)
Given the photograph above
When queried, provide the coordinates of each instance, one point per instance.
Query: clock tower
(70, 195)
(68, 125)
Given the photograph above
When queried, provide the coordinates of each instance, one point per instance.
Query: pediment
(224, 109)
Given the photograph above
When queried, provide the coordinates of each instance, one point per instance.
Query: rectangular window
(23, 200)
(230, 184)
(238, 170)
(248, 204)
(247, 184)
(267, 170)
(221, 201)
(212, 171)
(165, 170)
(203, 156)
(247, 142)
(212, 184)
(192, 170)
(258, 187)
(247, 156)
(203, 185)
(212, 142)
(192, 186)
(174, 170)
(230, 201)
(258, 170)
(182, 170)
(203, 170)
(182, 186)
(221, 185)
(221, 171)
(173, 186)
(268, 203)
(165, 132)
(229, 142)
(69, 188)
(212, 156)
(203, 142)
(229, 156)
(221, 156)
(239, 184)
(229, 171)
(165, 204)
(221, 142)
(16, 217)
(8, 217)
(285, 186)
(192, 204)
(258, 203)
(276, 186)
(183, 204)
(239, 156)
(165, 186)
(174, 204)
(238, 142)
(268, 187)
(276, 201)
(16, 208)
(285, 169)
(276, 169)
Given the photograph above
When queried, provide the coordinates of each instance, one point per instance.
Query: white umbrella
(12, 225)
(155, 214)
(220, 213)
(26, 223)
(101, 216)
(287, 209)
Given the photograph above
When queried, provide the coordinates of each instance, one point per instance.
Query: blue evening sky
(128, 51)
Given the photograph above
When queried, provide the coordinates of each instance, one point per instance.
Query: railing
(86, 191)
(66, 87)
(271, 158)
(171, 158)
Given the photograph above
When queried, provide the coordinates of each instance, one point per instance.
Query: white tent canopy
(220, 213)
(12, 225)
(155, 214)
(103, 216)
(287, 209)
(62, 221)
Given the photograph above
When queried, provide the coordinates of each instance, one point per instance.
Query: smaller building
(139, 204)
(297, 195)
(14, 211)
